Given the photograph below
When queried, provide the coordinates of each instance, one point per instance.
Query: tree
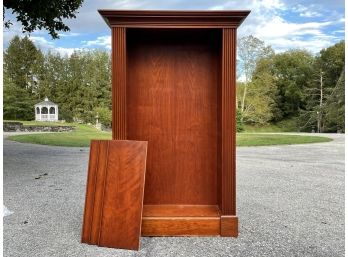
(43, 14)
(260, 103)
(325, 93)
(17, 102)
(334, 108)
(250, 50)
(20, 79)
(20, 59)
(293, 72)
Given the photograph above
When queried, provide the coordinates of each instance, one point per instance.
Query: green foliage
(292, 71)
(260, 106)
(294, 89)
(240, 125)
(334, 108)
(21, 60)
(17, 102)
(105, 115)
(331, 61)
(43, 14)
(250, 51)
(78, 84)
(280, 89)
(324, 95)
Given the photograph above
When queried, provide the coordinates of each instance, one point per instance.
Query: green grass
(254, 139)
(42, 123)
(82, 136)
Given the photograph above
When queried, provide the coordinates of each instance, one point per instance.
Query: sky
(283, 24)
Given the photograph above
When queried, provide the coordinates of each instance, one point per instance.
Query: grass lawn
(83, 134)
(254, 139)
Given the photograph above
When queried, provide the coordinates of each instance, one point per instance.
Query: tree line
(294, 89)
(80, 84)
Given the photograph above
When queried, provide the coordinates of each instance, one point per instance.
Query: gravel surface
(290, 203)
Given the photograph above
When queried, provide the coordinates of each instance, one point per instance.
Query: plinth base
(187, 220)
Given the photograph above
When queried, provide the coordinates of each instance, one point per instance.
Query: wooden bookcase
(173, 85)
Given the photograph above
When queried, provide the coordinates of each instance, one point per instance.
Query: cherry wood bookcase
(173, 85)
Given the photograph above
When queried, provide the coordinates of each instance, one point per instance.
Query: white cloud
(309, 11)
(49, 46)
(102, 41)
(69, 34)
(310, 14)
(269, 21)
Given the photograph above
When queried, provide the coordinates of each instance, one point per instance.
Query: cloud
(102, 41)
(308, 11)
(309, 24)
(69, 34)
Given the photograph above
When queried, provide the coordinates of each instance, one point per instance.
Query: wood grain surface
(181, 220)
(172, 104)
(174, 79)
(114, 196)
(174, 19)
(229, 226)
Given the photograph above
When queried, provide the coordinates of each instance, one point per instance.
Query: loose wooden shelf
(114, 194)
(173, 85)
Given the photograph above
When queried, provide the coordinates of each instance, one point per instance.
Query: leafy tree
(293, 71)
(43, 14)
(325, 94)
(250, 50)
(17, 102)
(21, 60)
(240, 125)
(260, 103)
(334, 108)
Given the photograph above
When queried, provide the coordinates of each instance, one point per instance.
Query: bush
(105, 116)
(239, 122)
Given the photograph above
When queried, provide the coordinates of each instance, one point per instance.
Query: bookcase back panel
(172, 102)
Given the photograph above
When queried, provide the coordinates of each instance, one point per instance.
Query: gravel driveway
(290, 203)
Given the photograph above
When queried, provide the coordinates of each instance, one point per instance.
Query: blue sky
(283, 24)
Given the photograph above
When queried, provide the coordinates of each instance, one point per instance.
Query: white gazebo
(46, 111)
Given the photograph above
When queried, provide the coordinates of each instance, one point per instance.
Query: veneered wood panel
(181, 211)
(229, 226)
(172, 80)
(228, 126)
(115, 190)
(90, 192)
(119, 129)
(180, 226)
(173, 19)
(151, 71)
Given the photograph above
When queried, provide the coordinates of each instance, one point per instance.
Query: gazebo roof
(46, 102)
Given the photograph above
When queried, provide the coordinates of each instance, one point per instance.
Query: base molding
(229, 226)
(180, 226)
(187, 220)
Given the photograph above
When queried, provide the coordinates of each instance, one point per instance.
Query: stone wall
(18, 126)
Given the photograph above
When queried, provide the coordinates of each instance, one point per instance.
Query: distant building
(46, 111)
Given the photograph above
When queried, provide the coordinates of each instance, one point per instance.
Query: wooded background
(295, 90)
